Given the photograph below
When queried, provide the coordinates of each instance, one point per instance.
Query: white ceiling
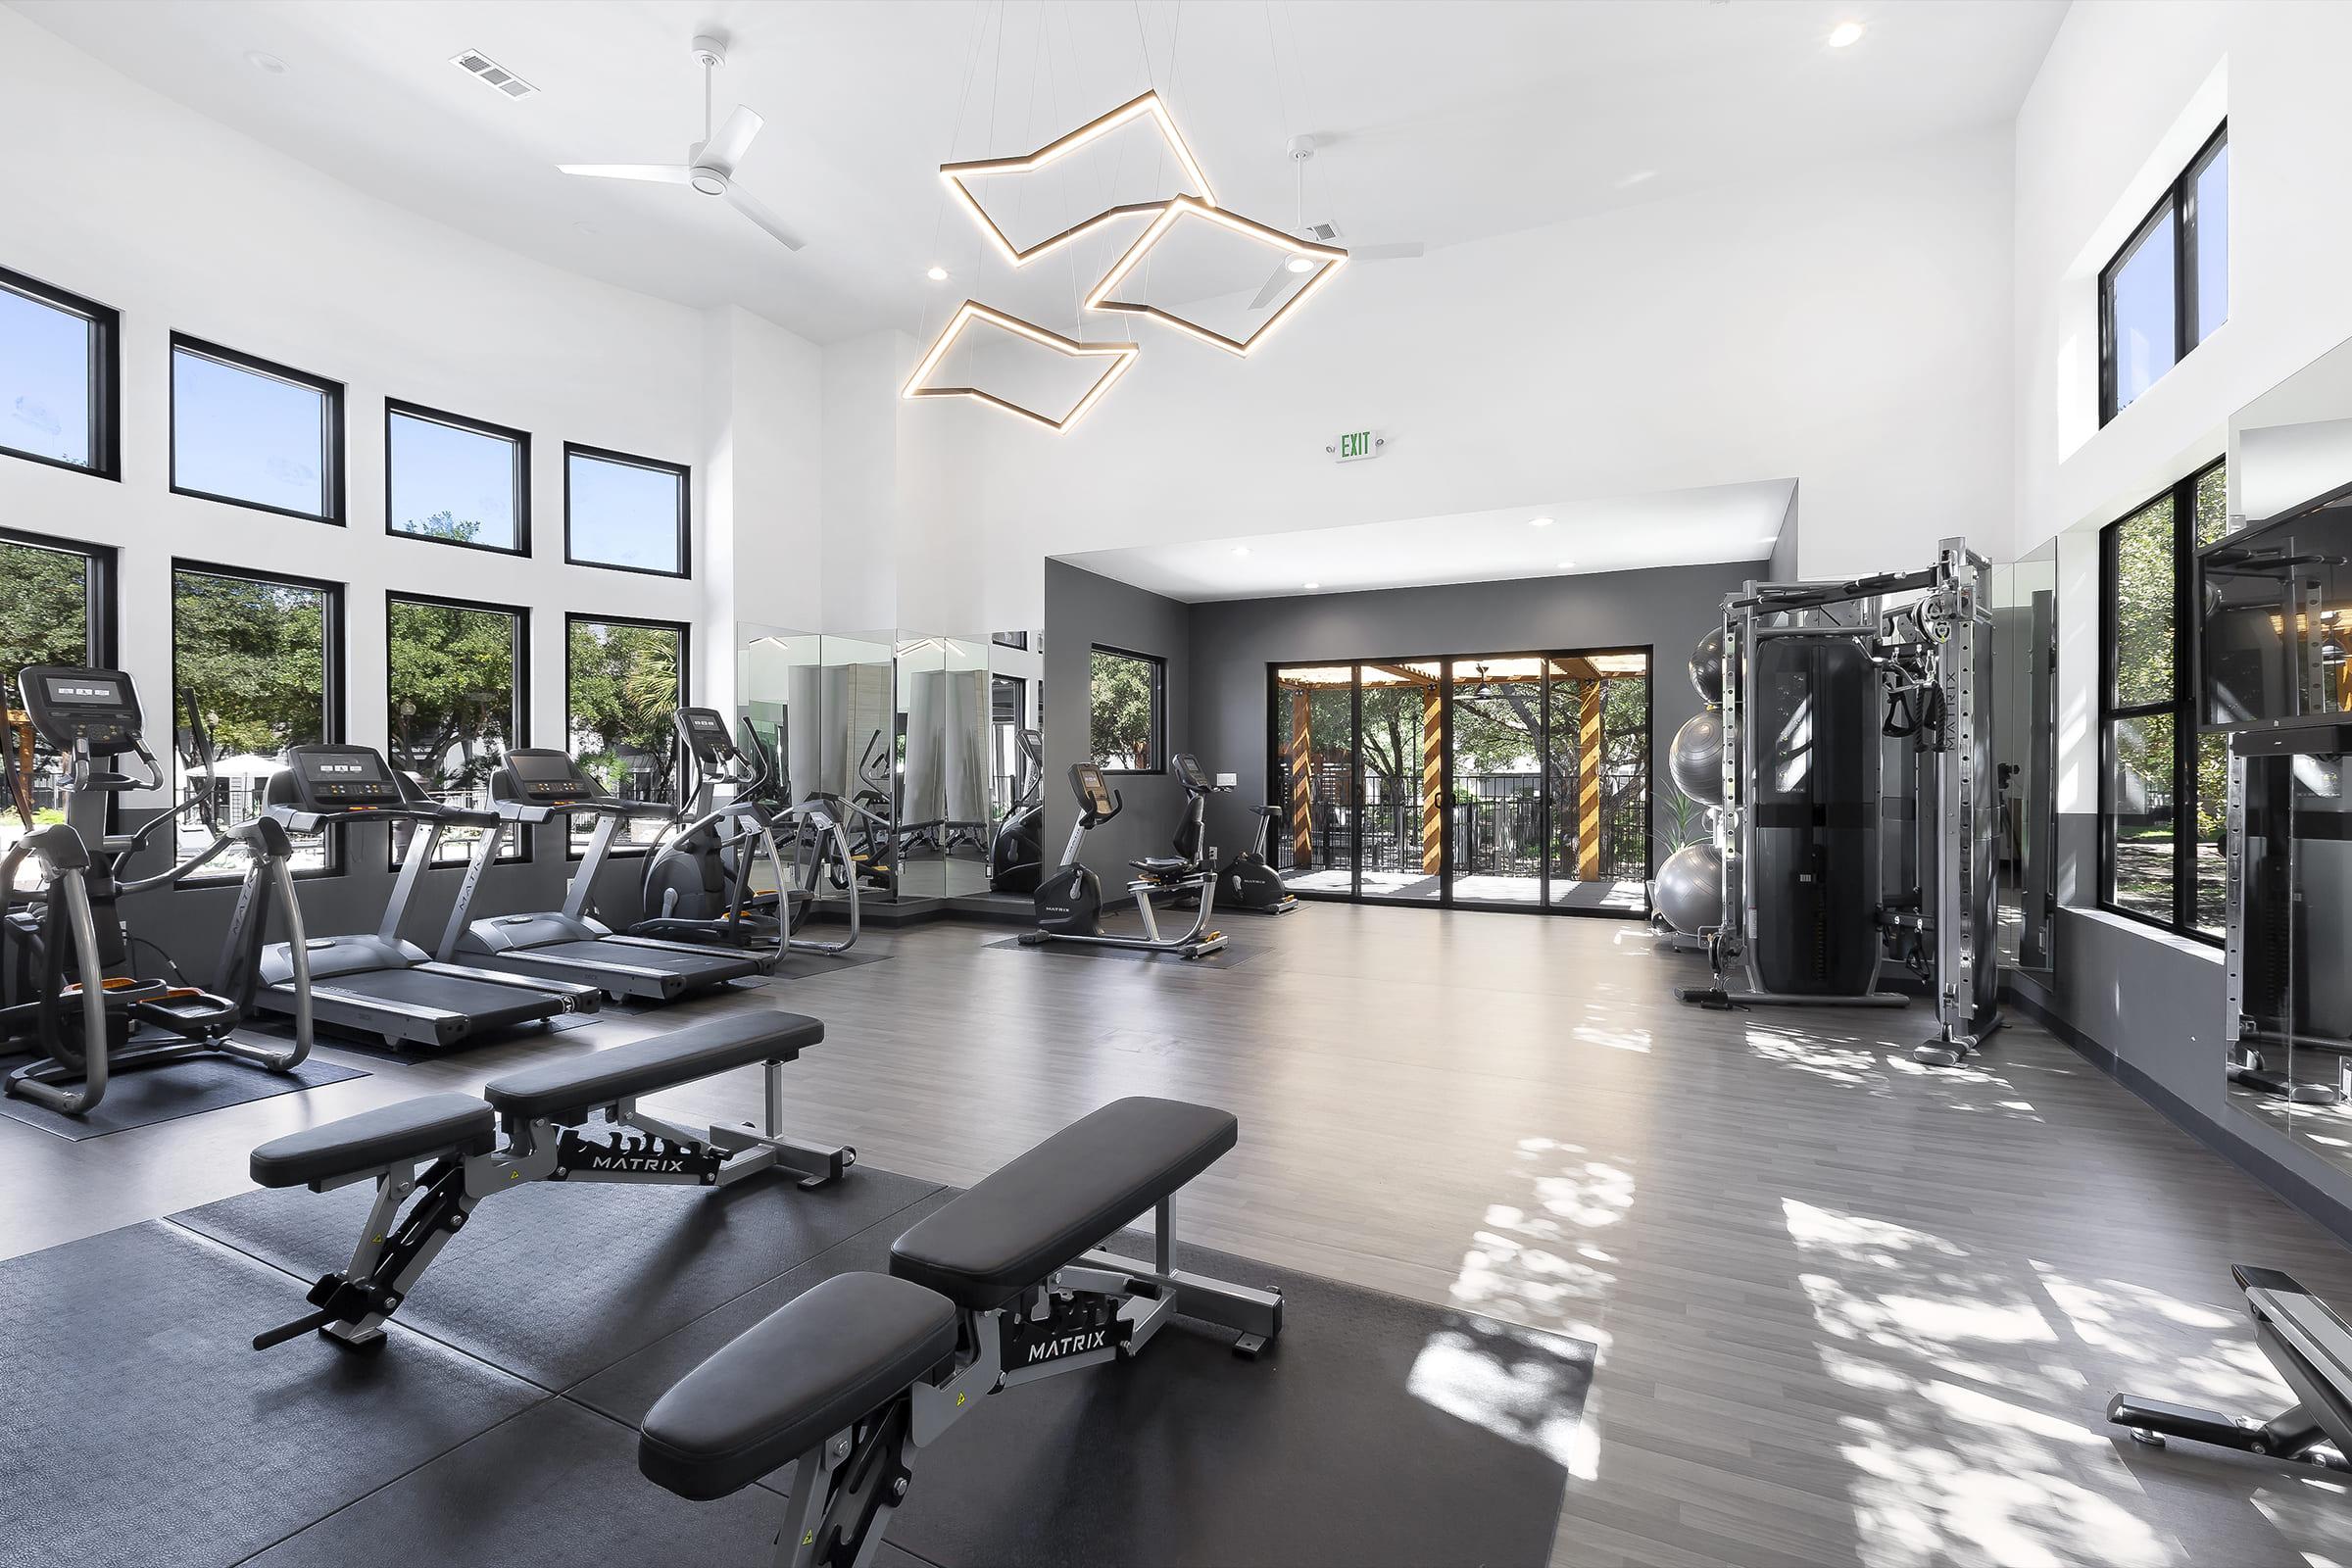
(1719, 523)
(1447, 119)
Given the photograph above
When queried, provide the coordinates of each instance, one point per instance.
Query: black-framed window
(57, 609)
(2162, 786)
(252, 433)
(622, 681)
(457, 691)
(2168, 288)
(60, 377)
(625, 512)
(262, 656)
(1127, 720)
(455, 480)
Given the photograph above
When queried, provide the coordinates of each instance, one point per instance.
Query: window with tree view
(455, 480)
(1126, 725)
(2163, 787)
(455, 694)
(258, 656)
(623, 680)
(53, 612)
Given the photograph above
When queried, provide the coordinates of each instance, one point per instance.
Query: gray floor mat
(145, 1096)
(558, 1280)
(142, 1428)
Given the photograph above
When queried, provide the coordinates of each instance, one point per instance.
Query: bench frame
(394, 1250)
(843, 1490)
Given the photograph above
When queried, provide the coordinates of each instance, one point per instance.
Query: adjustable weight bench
(542, 1113)
(1004, 1284)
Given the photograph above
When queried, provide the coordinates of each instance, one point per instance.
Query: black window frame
(332, 635)
(522, 713)
(685, 631)
(684, 474)
(105, 375)
(101, 627)
(1160, 708)
(397, 408)
(331, 436)
(2181, 707)
(2178, 206)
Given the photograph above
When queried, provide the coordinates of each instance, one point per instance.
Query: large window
(622, 680)
(260, 658)
(2163, 786)
(629, 514)
(1127, 719)
(1501, 780)
(2169, 287)
(455, 480)
(255, 434)
(56, 611)
(58, 378)
(454, 695)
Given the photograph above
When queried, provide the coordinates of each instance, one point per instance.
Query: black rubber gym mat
(141, 1426)
(1375, 1429)
(811, 965)
(145, 1096)
(558, 1280)
(1222, 958)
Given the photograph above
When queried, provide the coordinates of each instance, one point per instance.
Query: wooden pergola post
(1303, 780)
(1433, 779)
(1588, 783)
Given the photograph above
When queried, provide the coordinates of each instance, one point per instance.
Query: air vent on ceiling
(495, 75)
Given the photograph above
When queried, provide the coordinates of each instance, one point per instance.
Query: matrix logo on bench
(635, 1157)
(1078, 1323)
(1068, 1344)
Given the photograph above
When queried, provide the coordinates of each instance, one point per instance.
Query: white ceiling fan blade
(726, 149)
(667, 173)
(763, 216)
(1384, 252)
(1266, 295)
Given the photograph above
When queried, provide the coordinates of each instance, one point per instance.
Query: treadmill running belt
(704, 967)
(489, 1005)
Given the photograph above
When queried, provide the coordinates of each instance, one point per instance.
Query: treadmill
(536, 785)
(377, 984)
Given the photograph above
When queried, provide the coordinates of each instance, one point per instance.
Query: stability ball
(1695, 759)
(1706, 668)
(1690, 889)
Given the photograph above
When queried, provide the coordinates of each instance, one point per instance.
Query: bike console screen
(1094, 796)
(1187, 769)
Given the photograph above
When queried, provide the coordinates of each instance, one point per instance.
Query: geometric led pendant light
(1327, 260)
(1147, 106)
(1118, 357)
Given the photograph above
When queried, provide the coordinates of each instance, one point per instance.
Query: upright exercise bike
(1069, 902)
(1248, 881)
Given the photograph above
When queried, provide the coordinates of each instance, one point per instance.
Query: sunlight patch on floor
(1498, 1380)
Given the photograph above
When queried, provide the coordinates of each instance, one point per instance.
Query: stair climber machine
(65, 953)
(376, 983)
(1069, 902)
(1016, 854)
(1816, 892)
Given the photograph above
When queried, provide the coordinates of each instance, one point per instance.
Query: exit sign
(1353, 446)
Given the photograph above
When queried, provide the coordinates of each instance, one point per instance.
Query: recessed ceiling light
(269, 64)
(1538, 522)
(937, 274)
(1299, 264)
(1310, 587)
(1241, 550)
(1843, 34)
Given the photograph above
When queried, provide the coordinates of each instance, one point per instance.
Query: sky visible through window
(2212, 243)
(452, 483)
(2144, 314)
(44, 379)
(623, 515)
(245, 436)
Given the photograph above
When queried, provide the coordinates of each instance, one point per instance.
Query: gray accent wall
(1082, 611)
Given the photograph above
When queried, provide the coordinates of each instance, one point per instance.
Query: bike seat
(1164, 865)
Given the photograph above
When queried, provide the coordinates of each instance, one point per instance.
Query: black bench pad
(1030, 1217)
(556, 1090)
(431, 1124)
(837, 1351)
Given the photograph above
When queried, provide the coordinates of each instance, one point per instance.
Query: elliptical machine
(1017, 856)
(1069, 902)
(66, 947)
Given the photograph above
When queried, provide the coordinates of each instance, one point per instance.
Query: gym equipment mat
(1222, 958)
(143, 1427)
(558, 1280)
(811, 965)
(141, 1097)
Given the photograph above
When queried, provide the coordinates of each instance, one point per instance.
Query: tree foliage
(255, 655)
(443, 525)
(44, 610)
(1123, 696)
(451, 691)
(623, 691)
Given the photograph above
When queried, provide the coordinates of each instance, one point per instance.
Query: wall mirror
(2024, 741)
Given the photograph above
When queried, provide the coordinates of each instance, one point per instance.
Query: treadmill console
(544, 776)
(71, 705)
(1094, 796)
(342, 778)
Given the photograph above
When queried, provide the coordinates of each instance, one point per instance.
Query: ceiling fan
(709, 165)
(1302, 150)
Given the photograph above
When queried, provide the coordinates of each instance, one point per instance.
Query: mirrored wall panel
(2024, 741)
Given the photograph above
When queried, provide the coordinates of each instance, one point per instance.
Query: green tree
(623, 691)
(443, 525)
(255, 655)
(452, 684)
(44, 613)
(1123, 692)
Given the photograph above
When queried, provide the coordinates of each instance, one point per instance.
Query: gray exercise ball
(1706, 668)
(1688, 893)
(1695, 758)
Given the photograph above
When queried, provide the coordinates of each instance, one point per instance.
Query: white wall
(119, 194)
(1848, 328)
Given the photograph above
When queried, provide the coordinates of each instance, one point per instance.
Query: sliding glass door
(1498, 781)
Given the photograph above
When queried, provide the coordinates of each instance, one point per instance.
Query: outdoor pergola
(1428, 677)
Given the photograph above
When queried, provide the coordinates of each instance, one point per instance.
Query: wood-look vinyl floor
(1849, 1310)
